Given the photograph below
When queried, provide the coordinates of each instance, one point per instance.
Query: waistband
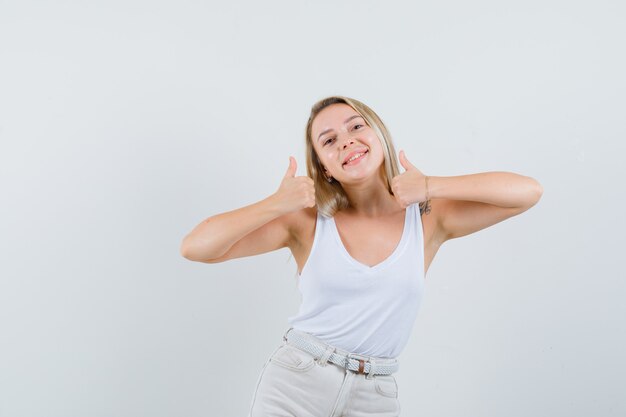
(323, 352)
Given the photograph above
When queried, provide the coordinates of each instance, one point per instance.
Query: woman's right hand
(295, 193)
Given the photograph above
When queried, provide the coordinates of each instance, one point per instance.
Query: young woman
(363, 236)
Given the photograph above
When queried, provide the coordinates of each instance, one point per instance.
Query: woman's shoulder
(302, 215)
(302, 222)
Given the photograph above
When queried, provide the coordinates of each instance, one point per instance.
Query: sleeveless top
(355, 307)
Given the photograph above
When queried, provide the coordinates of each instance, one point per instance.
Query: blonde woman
(363, 235)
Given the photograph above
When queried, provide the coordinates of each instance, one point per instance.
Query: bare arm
(251, 230)
(217, 235)
(498, 188)
(469, 203)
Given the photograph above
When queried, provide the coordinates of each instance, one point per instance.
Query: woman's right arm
(251, 230)
(264, 224)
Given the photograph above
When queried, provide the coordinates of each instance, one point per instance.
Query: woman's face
(338, 132)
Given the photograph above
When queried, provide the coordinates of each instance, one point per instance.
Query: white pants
(294, 383)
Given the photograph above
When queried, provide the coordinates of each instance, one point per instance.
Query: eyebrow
(347, 120)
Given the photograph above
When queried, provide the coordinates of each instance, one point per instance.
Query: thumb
(405, 162)
(291, 171)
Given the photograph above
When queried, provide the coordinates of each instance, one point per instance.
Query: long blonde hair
(331, 197)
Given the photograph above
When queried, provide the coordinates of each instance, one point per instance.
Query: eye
(329, 139)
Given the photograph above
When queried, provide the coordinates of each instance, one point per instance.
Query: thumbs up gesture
(410, 186)
(295, 193)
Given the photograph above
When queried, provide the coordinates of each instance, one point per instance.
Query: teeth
(355, 157)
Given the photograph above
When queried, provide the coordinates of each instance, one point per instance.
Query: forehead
(332, 117)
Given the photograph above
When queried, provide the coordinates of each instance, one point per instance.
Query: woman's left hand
(410, 186)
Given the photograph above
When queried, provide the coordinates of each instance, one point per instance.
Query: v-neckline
(396, 252)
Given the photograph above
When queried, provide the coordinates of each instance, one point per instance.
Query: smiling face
(338, 133)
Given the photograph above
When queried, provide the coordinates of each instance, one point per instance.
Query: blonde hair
(330, 197)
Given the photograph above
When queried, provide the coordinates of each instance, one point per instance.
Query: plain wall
(123, 124)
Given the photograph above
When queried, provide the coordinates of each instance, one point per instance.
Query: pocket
(291, 357)
(386, 385)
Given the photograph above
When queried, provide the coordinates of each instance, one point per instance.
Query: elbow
(191, 253)
(531, 195)
(537, 192)
(186, 250)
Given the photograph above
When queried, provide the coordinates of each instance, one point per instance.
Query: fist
(295, 193)
(410, 186)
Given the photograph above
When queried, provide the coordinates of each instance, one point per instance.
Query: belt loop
(372, 368)
(323, 360)
(285, 335)
(346, 363)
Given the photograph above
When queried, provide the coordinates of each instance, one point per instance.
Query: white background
(123, 124)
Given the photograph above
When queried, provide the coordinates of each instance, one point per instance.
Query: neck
(370, 199)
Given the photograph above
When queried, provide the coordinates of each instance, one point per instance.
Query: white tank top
(355, 307)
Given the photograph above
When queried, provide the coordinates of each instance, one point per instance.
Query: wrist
(434, 186)
(273, 205)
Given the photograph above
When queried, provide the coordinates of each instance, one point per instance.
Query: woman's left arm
(465, 204)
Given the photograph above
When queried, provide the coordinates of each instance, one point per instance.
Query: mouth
(357, 160)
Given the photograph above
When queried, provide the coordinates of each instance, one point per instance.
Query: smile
(356, 160)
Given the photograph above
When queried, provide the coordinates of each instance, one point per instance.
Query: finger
(395, 195)
(405, 162)
(293, 166)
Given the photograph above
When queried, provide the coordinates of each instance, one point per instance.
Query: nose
(347, 141)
